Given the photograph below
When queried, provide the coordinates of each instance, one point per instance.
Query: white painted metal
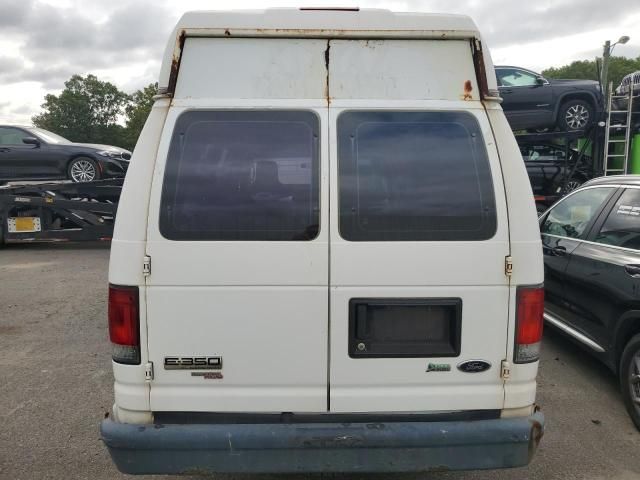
(242, 68)
(400, 70)
(472, 271)
(296, 23)
(276, 311)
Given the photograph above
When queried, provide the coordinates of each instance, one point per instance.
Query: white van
(326, 255)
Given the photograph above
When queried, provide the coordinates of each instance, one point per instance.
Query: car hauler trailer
(57, 212)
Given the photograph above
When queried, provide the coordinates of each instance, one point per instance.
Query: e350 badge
(198, 364)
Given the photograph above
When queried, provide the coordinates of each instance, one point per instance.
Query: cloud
(14, 13)
(42, 45)
(55, 43)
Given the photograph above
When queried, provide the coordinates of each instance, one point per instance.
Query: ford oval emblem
(474, 366)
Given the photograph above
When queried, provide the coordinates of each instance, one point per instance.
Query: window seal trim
(188, 110)
(374, 110)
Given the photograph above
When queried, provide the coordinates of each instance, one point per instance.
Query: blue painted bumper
(323, 447)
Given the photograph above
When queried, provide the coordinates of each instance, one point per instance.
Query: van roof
(315, 23)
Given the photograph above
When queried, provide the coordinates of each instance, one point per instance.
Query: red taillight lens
(529, 322)
(124, 324)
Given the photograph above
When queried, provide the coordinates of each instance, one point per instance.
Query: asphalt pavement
(56, 384)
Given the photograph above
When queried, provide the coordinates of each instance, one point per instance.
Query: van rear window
(413, 176)
(242, 175)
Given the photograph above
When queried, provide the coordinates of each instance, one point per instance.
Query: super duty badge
(192, 363)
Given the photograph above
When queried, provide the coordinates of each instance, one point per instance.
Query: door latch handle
(559, 250)
(633, 270)
(506, 90)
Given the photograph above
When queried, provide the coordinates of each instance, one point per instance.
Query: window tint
(511, 77)
(571, 217)
(11, 136)
(413, 176)
(622, 227)
(242, 175)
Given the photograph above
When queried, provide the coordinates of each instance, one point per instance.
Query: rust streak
(468, 88)
(175, 64)
(326, 64)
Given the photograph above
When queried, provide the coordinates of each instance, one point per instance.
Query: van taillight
(529, 321)
(124, 324)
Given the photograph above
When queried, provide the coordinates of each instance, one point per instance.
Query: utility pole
(606, 56)
(604, 80)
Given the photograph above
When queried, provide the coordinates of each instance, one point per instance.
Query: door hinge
(508, 265)
(148, 371)
(505, 370)
(146, 265)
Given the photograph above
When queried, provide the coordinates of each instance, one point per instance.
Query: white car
(630, 82)
(326, 256)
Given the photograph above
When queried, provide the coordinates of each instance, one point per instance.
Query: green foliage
(137, 111)
(86, 111)
(586, 69)
(89, 110)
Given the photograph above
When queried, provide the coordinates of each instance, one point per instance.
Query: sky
(44, 42)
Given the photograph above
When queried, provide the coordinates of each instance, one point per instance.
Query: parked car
(630, 82)
(620, 103)
(254, 328)
(591, 246)
(548, 168)
(531, 101)
(31, 153)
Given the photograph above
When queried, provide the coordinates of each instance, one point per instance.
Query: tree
(586, 69)
(87, 110)
(137, 111)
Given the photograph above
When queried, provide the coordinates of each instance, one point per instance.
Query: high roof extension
(325, 23)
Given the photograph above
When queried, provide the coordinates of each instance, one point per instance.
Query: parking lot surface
(56, 384)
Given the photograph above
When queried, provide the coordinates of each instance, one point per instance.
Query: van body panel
(328, 200)
(291, 23)
(406, 384)
(130, 231)
(526, 250)
(272, 342)
(374, 69)
(273, 72)
(260, 306)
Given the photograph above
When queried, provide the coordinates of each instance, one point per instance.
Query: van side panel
(130, 231)
(526, 250)
(127, 252)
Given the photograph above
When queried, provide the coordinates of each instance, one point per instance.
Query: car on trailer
(591, 247)
(533, 102)
(30, 153)
(333, 271)
(551, 172)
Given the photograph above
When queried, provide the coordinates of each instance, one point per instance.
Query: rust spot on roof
(468, 88)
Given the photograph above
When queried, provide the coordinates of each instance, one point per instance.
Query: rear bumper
(325, 447)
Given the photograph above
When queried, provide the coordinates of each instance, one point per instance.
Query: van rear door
(238, 238)
(419, 233)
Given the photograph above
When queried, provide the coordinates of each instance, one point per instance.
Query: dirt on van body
(56, 384)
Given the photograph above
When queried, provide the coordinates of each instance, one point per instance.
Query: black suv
(533, 102)
(30, 153)
(591, 246)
